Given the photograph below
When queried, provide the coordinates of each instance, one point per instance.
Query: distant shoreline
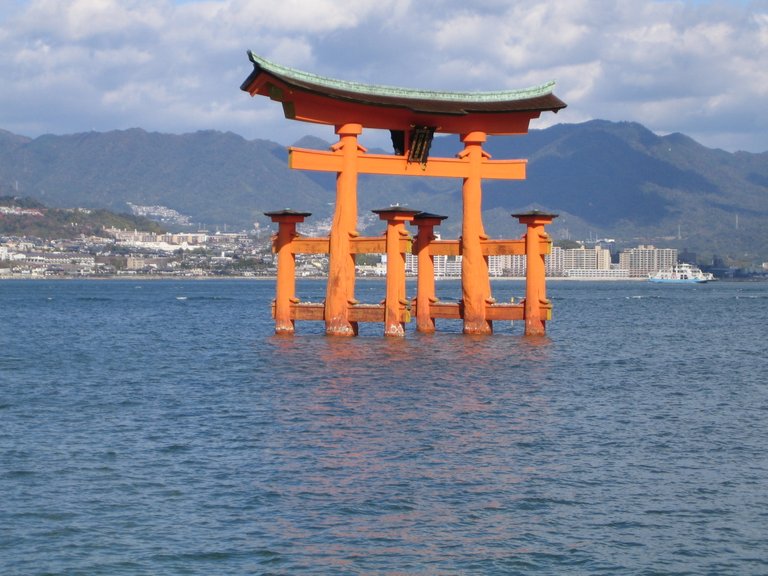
(136, 277)
(274, 278)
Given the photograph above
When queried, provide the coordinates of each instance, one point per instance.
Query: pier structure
(412, 117)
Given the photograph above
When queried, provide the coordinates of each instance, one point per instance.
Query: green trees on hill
(29, 217)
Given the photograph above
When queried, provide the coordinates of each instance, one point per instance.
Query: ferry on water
(681, 274)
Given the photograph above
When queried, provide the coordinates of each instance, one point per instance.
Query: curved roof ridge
(398, 92)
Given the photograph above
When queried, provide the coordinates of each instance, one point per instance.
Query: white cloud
(317, 16)
(291, 51)
(694, 67)
(79, 20)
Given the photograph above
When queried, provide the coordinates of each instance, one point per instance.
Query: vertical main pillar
(535, 272)
(475, 282)
(340, 292)
(285, 291)
(395, 300)
(425, 281)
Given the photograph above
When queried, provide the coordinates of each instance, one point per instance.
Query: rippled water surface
(160, 428)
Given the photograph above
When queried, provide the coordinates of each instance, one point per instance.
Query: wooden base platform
(448, 310)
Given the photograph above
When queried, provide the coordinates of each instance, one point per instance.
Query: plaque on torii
(412, 117)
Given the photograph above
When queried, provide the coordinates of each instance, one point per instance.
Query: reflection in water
(415, 447)
(411, 446)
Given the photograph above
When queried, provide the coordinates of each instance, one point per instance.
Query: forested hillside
(603, 178)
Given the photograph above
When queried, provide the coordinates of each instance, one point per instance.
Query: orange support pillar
(340, 292)
(535, 274)
(395, 301)
(475, 281)
(285, 292)
(425, 283)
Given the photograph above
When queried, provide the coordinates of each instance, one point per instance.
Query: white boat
(681, 274)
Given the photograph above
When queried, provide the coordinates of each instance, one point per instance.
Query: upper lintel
(314, 98)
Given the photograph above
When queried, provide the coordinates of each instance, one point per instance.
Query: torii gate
(412, 117)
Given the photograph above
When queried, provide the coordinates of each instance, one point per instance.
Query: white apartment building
(570, 261)
(58, 258)
(447, 266)
(507, 265)
(496, 265)
(595, 274)
(444, 265)
(596, 258)
(563, 262)
(645, 260)
(411, 263)
(136, 237)
(190, 238)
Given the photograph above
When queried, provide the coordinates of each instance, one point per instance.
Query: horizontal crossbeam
(455, 311)
(357, 245)
(323, 161)
(377, 245)
(357, 312)
(445, 310)
(488, 247)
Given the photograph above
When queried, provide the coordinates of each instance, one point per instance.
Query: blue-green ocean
(159, 427)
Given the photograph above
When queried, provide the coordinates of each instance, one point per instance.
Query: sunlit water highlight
(160, 428)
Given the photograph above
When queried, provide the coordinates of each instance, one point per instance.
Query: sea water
(159, 427)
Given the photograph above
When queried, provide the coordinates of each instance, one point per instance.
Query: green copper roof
(538, 98)
(307, 78)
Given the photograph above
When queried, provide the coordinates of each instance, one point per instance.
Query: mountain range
(604, 179)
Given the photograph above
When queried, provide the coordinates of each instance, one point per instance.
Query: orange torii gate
(412, 117)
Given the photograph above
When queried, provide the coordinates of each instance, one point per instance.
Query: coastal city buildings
(121, 252)
(595, 263)
(130, 252)
(645, 260)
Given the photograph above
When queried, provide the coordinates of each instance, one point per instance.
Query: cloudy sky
(697, 67)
